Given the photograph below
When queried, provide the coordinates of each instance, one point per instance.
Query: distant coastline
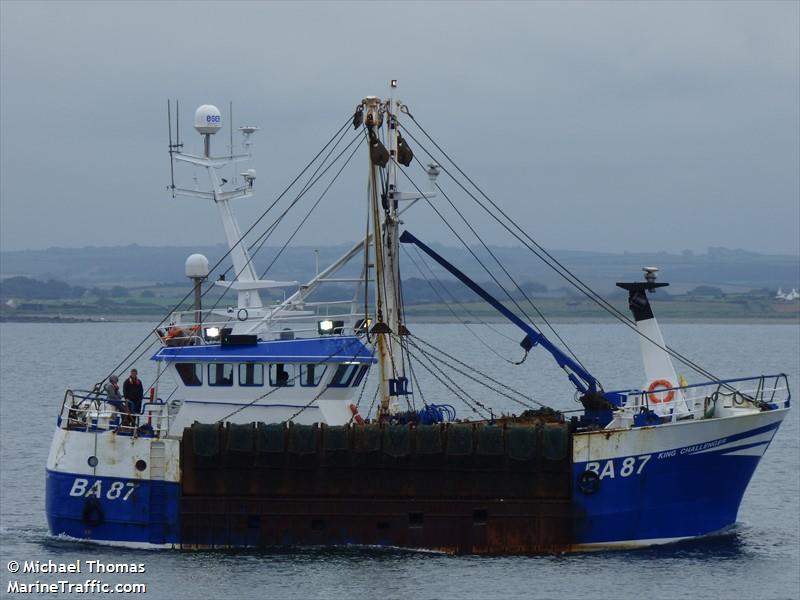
(140, 283)
(557, 310)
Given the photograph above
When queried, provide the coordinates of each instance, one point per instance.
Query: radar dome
(197, 266)
(207, 119)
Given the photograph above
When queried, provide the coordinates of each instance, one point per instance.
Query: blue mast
(580, 377)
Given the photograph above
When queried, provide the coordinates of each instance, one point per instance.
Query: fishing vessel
(259, 430)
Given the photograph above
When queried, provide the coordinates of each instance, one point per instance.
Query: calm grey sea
(760, 558)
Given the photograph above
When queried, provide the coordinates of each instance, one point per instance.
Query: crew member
(112, 392)
(133, 392)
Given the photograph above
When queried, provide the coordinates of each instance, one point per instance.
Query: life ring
(660, 383)
(589, 482)
(178, 336)
(92, 515)
(239, 314)
(174, 332)
(356, 417)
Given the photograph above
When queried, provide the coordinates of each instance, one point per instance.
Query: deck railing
(86, 410)
(696, 400)
(185, 330)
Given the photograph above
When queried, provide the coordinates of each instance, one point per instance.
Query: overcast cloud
(599, 126)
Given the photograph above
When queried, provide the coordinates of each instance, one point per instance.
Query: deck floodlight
(212, 332)
(325, 326)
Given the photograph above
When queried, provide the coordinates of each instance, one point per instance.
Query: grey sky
(601, 126)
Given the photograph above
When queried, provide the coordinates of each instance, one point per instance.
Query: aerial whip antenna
(171, 150)
(173, 147)
(230, 128)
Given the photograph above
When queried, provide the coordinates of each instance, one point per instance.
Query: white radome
(197, 266)
(207, 119)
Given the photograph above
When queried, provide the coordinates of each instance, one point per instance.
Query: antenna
(230, 128)
(230, 125)
(171, 150)
(173, 147)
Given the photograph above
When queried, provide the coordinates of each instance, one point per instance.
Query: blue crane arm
(580, 377)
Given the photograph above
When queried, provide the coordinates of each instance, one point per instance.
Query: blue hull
(149, 514)
(681, 492)
(653, 495)
(687, 497)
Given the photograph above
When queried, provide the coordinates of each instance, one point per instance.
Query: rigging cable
(224, 256)
(555, 265)
(485, 268)
(456, 389)
(313, 207)
(484, 375)
(461, 306)
(271, 227)
(307, 188)
(516, 285)
(292, 380)
(312, 180)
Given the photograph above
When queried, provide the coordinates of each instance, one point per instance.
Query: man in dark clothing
(133, 391)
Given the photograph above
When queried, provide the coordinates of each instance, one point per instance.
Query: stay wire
(452, 311)
(510, 277)
(464, 243)
(274, 225)
(555, 265)
(313, 207)
(485, 268)
(374, 399)
(224, 256)
(314, 399)
(277, 221)
(449, 387)
(306, 189)
(468, 374)
(276, 388)
(415, 381)
(312, 180)
(463, 393)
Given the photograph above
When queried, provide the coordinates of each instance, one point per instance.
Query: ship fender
(92, 515)
(709, 406)
(356, 417)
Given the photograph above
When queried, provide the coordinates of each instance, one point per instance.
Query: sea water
(758, 558)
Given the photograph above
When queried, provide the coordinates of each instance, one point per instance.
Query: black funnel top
(637, 298)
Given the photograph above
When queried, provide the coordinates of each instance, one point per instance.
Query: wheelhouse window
(362, 371)
(311, 374)
(251, 374)
(190, 373)
(344, 374)
(281, 375)
(220, 374)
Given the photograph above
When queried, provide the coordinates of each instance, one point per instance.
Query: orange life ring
(174, 332)
(356, 417)
(660, 383)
